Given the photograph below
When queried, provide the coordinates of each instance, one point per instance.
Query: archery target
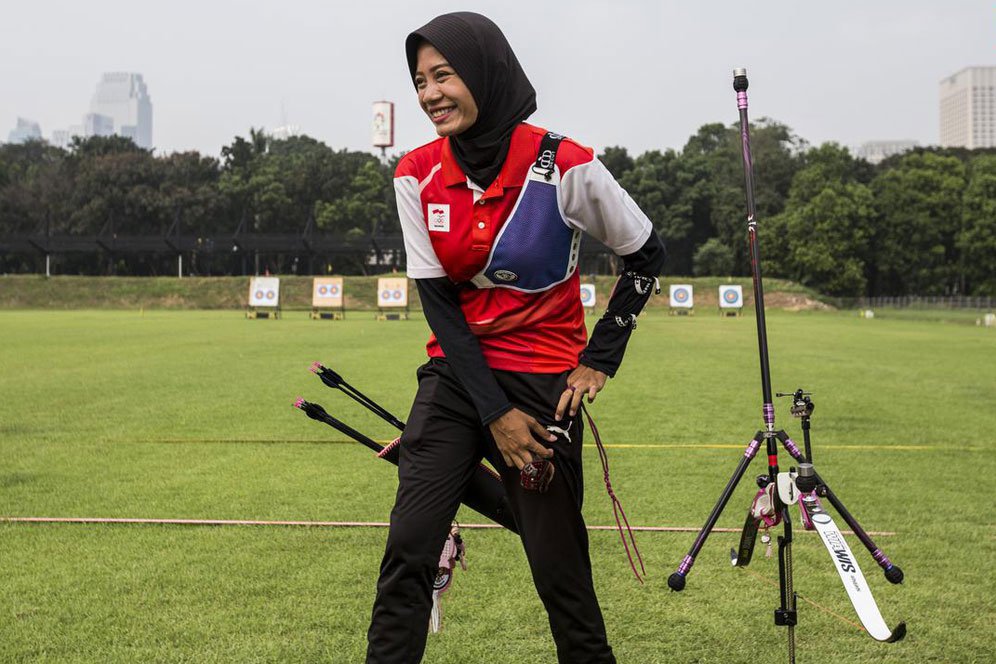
(681, 296)
(392, 292)
(731, 297)
(264, 292)
(327, 292)
(588, 295)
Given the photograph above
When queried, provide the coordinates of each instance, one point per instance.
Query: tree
(34, 186)
(775, 151)
(239, 161)
(826, 239)
(977, 238)
(655, 187)
(820, 240)
(698, 194)
(360, 208)
(616, 160)
(240, 155)
(191, 196)
(117, 192)
(919, 204)
(100, 146)
(713, 258)
(278, 185)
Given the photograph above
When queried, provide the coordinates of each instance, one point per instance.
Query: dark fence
(981, 302)
(241, 253)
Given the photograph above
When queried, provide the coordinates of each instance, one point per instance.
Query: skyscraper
(968, 108)
(26, 130)
(123, 98)
(95, 124)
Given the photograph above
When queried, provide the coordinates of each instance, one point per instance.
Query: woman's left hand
(581, 381)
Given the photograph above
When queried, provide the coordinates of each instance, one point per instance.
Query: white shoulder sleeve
(421, 257)
(593, 202)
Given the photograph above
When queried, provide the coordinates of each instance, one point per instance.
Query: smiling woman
(492, 214)
(442, 93)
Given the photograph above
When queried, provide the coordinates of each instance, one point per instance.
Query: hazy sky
(640, 74)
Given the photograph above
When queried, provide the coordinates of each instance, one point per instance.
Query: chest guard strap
(546, 159)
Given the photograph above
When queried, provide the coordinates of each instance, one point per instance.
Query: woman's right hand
(515, 434)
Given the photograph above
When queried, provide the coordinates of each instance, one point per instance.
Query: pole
(740, 85)
(785, 615)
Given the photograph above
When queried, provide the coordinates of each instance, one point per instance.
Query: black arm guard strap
(638, 281)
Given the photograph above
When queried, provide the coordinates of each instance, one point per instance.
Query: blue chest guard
(536, 249)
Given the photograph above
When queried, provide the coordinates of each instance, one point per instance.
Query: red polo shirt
(450, 226)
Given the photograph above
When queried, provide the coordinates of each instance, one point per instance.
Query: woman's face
(442, 94)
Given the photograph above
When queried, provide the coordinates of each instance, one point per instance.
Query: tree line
(923, 222)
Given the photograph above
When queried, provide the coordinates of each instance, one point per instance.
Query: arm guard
(630, 294)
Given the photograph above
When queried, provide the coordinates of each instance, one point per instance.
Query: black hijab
(476, 48)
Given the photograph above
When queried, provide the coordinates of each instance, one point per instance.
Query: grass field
(187, 414)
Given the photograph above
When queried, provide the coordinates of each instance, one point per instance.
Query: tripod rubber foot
(894, 574)
(676, 582)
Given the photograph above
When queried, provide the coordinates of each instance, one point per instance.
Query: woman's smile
(439, 115)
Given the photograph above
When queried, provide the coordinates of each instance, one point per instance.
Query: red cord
(617, 508)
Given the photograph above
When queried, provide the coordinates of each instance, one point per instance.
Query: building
(124, 99)
(876, 151)
(26, 130)
(61, 138)
(95, 124)
(968, 108)
(284, 132)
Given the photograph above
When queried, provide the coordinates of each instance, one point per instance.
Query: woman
(492, 213)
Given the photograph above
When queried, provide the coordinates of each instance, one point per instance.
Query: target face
(264, 292)
(392, 292)
(681, 296)
(731, 297)
(588, 295)
(327, 292)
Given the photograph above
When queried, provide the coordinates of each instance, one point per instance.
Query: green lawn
(187, 414)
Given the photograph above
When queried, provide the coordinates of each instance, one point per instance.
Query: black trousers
(441, 445)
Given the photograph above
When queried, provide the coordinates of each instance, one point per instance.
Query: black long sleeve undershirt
(608, 340)
(441, 305)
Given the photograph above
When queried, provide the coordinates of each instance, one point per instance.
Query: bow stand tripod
(778, 491)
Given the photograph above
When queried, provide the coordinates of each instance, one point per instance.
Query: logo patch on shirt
(438, 215)
(506, 275)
